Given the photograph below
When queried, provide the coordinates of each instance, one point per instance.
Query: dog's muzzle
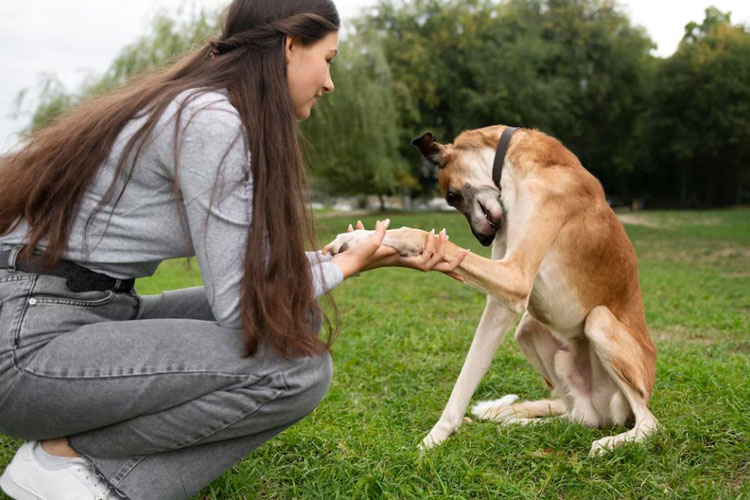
(484, 239)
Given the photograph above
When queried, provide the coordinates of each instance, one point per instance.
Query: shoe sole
(16, 492)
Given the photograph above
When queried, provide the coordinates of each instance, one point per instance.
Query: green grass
(405, 335)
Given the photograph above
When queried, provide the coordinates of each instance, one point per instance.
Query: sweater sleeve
(213, 175)
(325, 274)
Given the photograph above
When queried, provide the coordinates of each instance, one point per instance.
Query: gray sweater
(144, 228)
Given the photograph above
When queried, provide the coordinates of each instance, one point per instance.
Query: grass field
(404, 338)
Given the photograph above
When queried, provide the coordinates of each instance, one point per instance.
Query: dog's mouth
(487, 215)
(482, 232)
(484, 239)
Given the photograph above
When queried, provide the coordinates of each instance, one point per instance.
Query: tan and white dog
(562, 259)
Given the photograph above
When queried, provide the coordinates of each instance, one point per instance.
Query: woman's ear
(290, 43)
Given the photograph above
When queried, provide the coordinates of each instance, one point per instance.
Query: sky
(75, 38)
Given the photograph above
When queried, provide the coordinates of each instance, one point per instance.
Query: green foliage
(168, 40)
(52, 102)
(574, 69)
(671, 131)
(701, 115)
(354, 132)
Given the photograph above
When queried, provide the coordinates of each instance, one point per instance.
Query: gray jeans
(150, 389)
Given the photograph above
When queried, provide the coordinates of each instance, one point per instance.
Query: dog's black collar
(502, 150)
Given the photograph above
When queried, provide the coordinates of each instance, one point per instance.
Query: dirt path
(636, 220)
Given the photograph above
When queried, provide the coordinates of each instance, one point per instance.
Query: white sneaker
(27, 479)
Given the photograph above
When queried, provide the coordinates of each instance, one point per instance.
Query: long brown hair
(45, 181)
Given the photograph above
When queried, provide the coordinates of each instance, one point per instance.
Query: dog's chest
(553, 300)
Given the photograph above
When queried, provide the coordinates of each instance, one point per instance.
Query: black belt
(77, 278)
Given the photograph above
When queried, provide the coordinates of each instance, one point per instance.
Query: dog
(561, 258)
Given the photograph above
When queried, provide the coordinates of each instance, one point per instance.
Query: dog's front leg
(495, 321)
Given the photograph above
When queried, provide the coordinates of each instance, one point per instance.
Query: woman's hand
(431, 259)
(360, 257)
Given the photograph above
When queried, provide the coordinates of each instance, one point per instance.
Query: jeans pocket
(50, 309)
(78, 299)
(14, 293)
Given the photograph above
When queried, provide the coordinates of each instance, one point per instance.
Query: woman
(122, 396)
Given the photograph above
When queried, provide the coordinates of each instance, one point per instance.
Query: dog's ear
(430, 149)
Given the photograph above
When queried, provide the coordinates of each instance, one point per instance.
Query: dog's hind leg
(631, 367)
(503, 411)
(540, 348)
(496, 319)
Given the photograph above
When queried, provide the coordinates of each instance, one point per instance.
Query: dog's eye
(452, 197)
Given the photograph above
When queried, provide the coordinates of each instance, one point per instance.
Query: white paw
(427, 444)
(490, 410)
(345, 241)
(603, 446)
(430, 441)
(634, 435)
(519, 421)
(437, 435)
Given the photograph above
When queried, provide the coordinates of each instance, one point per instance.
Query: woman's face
(308, 71)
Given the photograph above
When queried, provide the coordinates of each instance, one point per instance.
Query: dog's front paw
(437, 435)
(430, 442)
(345, 241)
(408, 242)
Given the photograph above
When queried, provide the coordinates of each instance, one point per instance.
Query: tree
(354, 132)
(701, 116)
(53, 100)
(576, 69)
(675, 130)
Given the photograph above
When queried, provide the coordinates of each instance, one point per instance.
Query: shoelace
(83, 471)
